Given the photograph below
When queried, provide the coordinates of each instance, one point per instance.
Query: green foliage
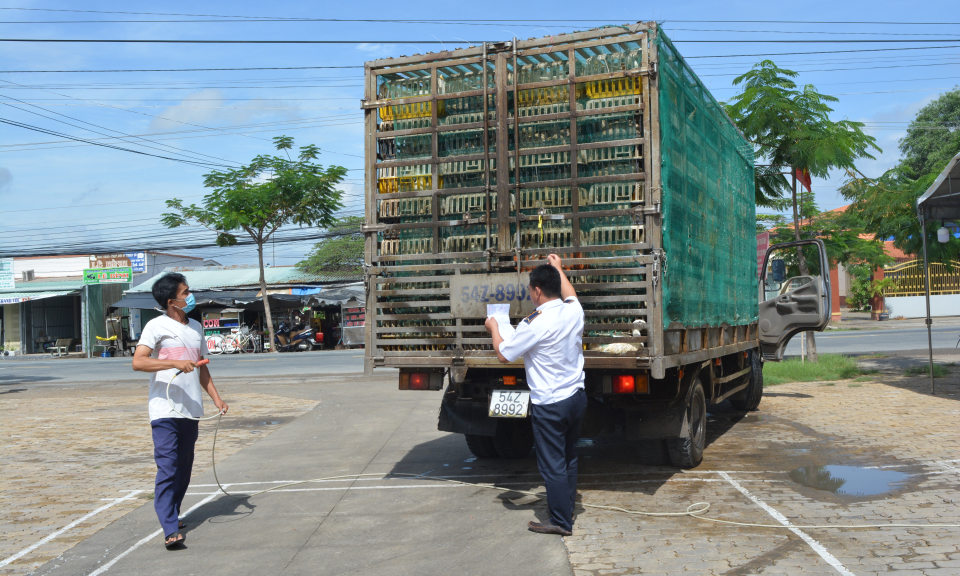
(340, 253)
(859, 296)
(791, 127)
(767, 221)
(887, 205)
(261, 197)
(933, 137)
(264, 195)
(939, 371)
(829, 368)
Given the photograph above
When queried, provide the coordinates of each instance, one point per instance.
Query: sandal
(181, 524)
(174, 540)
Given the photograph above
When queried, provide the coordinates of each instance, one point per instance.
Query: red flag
(803, 176)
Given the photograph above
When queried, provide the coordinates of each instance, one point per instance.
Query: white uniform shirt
(551, 343)
(171, 340)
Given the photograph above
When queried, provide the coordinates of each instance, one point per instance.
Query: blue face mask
(191, 304)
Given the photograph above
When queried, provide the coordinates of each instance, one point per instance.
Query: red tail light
(624, 384)
(419, 381)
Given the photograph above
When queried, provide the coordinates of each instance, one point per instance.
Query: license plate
(509, 404)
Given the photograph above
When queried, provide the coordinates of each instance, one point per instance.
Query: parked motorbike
(305, 339)
(282, 339)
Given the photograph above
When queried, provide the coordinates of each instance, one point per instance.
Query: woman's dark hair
(166, 288)
(546, 278)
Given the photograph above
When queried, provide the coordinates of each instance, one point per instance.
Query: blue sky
(57, 192)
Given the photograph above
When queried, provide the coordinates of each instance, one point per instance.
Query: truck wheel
(688, 452)
(514, 438)
(749, 398)
(481, 446)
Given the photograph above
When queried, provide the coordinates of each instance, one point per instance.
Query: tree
(791, 128)
(260, 198)
(933, 137)
(341, 252)
(887, 205)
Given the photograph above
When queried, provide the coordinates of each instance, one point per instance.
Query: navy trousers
(173, 442)
(556, 430)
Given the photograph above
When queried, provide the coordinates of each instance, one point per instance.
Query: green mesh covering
(708, 203)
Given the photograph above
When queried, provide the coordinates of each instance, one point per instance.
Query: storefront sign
(107, 275)
(6, 274)
(138, 260)
(12, 300)
(110, 261)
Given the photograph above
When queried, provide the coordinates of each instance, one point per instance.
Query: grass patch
(939, 371)
(877, 356)
(854, 385)
(831, 367)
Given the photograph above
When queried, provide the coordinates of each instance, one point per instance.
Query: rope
(693, 511)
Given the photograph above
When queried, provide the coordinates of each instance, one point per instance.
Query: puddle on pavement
(849, 480)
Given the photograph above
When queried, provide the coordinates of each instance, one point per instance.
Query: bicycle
(244, 342)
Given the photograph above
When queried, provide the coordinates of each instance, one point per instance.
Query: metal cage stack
(481, 161)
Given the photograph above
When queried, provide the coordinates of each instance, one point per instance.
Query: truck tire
(514, 438)
(749, 398)
(481, 446)
(688, 452)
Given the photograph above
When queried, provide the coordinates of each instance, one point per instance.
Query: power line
(101, 127)
(897, 23)
(168, 41)
(61, 135)
(178, 69)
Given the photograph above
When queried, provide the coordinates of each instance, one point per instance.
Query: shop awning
(17, 297)
(145, 301)
(942, 200)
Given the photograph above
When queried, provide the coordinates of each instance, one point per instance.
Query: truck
(603, 147)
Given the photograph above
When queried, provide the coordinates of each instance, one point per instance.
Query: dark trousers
(173, 442)
(556, 430)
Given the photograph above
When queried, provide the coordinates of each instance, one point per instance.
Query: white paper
(501, 312)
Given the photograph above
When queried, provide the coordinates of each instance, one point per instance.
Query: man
(551, 343)
(170, 343)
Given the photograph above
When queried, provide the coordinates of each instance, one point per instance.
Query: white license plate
(509, 404)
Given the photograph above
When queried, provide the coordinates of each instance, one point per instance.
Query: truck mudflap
(465, 417)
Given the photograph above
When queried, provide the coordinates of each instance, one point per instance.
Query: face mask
(191, 304)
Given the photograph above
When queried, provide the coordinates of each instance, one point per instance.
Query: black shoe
(174, 541)
(547, 528)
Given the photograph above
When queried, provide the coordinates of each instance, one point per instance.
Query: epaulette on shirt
(568, 300)
(530, 318)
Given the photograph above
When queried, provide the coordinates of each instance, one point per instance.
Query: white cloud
(210, 107)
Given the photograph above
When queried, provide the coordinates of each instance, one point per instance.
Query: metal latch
(367, 228)
(458, 357)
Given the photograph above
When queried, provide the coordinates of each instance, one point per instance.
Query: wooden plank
(417, 342)
(617, 312)
(617, 298)
(434, 316)
(414, 292)
(413, 304)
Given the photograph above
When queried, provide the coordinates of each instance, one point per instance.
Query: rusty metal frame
(382, 271)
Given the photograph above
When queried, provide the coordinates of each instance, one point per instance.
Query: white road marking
(33, 547)
(817, 547)
(153, 535)
(387, 476)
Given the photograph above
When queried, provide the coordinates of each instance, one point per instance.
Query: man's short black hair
(166, 288)
(546, 278)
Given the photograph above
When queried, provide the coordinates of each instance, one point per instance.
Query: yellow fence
(908, 278)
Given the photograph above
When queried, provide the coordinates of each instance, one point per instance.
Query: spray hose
(694, 510)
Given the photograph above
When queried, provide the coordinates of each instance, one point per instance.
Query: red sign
(763, 244)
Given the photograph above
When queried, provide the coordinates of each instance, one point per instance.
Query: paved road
(375, 525)
(866, 341)
(253, 366)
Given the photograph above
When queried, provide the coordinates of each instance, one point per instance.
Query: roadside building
(230, 296)
(50, 300)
